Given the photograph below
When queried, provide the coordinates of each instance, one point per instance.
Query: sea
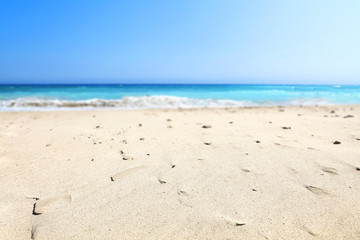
(144, 96)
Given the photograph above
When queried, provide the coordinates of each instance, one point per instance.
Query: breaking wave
(30, 104)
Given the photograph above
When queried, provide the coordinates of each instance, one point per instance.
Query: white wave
(31, 104)
(21, 104)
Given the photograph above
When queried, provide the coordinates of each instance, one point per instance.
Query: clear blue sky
(229, 41)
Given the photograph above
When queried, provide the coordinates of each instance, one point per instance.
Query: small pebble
(142, 139)
(286, 127)
(140, 125)
(97, 126)
(257, 141)
(358, 169)
(337, 142)
(206, 126)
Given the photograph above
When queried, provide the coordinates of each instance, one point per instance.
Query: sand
(251, 173)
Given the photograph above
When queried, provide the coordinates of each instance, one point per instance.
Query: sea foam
(144, 102)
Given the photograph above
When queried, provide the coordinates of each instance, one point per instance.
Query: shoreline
(75, 109)
(239, 173)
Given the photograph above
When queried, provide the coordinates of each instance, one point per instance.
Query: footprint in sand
(282, 145)
(311, 148)
(183, 193)
(184, 198)
(34, 232)
(309, 231)
(127, 157)
(124, 173)
(39, 206)
(330, 170)
(161, 181)
(316, 190)
(233, 222)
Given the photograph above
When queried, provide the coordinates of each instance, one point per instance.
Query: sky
(180, 41)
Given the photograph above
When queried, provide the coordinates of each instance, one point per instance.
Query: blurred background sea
(135, 96)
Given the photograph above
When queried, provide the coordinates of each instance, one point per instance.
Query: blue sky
(203, 41)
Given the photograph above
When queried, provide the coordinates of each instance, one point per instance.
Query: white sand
(294, 184)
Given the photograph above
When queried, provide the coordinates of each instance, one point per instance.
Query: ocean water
(134, 96)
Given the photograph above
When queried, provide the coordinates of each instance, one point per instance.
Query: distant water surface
(133, 96)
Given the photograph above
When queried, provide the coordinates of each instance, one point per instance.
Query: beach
(235, 173)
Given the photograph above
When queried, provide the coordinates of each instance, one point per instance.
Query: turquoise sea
(130, 96)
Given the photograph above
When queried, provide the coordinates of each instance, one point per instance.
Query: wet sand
(247, 173)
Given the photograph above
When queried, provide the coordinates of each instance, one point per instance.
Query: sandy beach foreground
(247, 173)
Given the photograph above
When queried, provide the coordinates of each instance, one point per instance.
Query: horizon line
(114, 84)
